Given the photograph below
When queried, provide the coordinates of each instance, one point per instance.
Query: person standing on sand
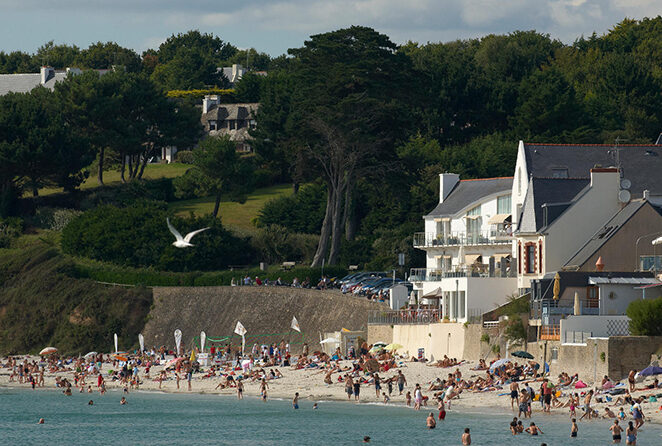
(616, 431)
(349, 386)
(587, 406)
(418, 397)
(631, 381)
(466, 437)
(431, 423)
(514, 390)
(240, 389)
(378, 385)
(402, 381)
(263, 389)
(357, 389)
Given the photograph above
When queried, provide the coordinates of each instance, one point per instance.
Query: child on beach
(386, 398)
(573, 428)
(466, 437)
(442, 408)
(295, 401)
(408, 398)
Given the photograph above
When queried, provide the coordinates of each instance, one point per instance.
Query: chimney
(46, 74)
(447, 182)
(599, 264)
(208, 102)
(647, 195)
(605, 177)
(236, 70)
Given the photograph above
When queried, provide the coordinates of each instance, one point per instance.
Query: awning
(445, 256)
(651, 285)
(501, 255)
(470, 259)
(472, 217)
(440, 219)
(498, 219)
(434, 294)
(622, 280)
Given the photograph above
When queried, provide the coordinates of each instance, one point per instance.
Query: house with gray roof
(234, 120)
(25, 82)
(467, 241)
(563, 194)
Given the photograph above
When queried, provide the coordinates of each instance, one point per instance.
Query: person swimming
(533, 429)
(431, 423)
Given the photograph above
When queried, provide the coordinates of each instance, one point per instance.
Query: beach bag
(580, 385)
(652, 399)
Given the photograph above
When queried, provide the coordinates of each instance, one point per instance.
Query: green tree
(248, 88)
(223, 170)
(105, 55)
(645, 317)
(57, 56)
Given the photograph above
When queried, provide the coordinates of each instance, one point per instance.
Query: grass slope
(41, 305)
(111, 177)
(238, 216)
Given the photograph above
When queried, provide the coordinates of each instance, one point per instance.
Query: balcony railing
(435, 275)
(405, 317)
(546, 307)
(432, 239)
(550, 333)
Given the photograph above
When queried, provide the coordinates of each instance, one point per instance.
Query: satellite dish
(625, 183)
(624, 196)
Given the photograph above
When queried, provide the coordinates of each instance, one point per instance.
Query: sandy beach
(311, 387)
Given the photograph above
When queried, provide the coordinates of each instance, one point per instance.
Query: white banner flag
(115, 343)
(203, 338)
(178, 339)
(141, 340)
(239, 329)
(295, 324)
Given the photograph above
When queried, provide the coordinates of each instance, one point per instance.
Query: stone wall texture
(262, 310)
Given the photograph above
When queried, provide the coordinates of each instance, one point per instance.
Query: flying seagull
(182, 242)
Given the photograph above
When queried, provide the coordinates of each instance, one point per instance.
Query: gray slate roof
(224, 112)
(25, 82)
(607, 232)
(467, 192)
(574, 279)
(546, 199)
(641, 164)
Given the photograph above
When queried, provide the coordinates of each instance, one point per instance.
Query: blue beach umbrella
(499, 363)
(651, 370)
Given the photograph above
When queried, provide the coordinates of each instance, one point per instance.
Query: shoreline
(309, 383)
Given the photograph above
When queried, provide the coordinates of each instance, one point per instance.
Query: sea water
(172, 419)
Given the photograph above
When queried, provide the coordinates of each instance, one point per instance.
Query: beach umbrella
(376, 348)
(557, 286)
(173, 362)
(119, 357)
(651, 370)
(379, 343)
(90, 354)
(48, 351)
(393, 347)
(499, 363)
(522, 354)
(578, 307)
(330, 341)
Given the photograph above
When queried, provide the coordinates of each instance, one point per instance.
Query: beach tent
(90, 354)
(48, 351)
(651, 370)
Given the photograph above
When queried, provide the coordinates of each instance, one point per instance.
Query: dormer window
(560, 172)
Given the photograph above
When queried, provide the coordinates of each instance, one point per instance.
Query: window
(540, 270)
(519, 258)
(454, 294)
(212, 125)
(231, 125)
(503, 204)
(531, 258)
(650, 263)
(555, 353)
(463, 305)
(560, 172)
(474, 211)
(592, 297)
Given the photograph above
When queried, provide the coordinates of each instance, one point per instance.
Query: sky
(273, 26)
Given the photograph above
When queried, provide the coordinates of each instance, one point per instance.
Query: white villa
(467, 241)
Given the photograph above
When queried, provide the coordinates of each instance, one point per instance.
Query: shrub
(53, 218)
(645, 317)
(276, 244)
(137, 236)
(10, 228)
(160, 189)
(190, 185)
(184, 157)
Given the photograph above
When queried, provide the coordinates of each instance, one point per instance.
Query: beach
(309, 383)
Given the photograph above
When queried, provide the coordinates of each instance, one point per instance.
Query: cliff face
(262, 310)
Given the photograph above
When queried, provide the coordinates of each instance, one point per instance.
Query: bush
(303, 212)
(10, 228)
(645, 317)
(275, 244)
(184, 157)
(137, 236)
(190, 185)
(53, 218)
(160, 189)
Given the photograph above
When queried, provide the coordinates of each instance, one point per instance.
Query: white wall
(437, 339)
(580, 221)
(596, 325)
(622, 296)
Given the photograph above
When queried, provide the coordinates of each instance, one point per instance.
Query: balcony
(540, 309)
(434, 240)
(550, 333)
(435, 275)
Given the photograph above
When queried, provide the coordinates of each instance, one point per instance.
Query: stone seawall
(262, 310)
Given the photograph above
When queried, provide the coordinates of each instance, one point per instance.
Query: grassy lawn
(152, 171)
(235, 215)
